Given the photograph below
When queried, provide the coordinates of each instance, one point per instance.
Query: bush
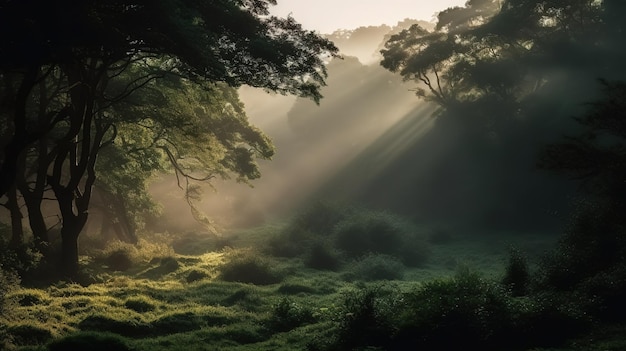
(593, 243)
(380, 232)
(321, 255)
(376, 267)
(91, 341)
(367, 319)
(516, 275)
(22, 259)
(304, 231)
(287, 315)
(250, 268)
(319, 218)
(476, 311)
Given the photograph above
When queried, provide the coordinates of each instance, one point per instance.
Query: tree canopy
(78, 78)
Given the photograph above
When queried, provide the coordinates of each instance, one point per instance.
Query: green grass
(186, 301)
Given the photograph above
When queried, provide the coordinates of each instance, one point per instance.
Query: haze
(326, 16)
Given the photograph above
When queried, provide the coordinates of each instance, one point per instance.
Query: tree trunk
(17, 229)
(69, 250)
(37, 223)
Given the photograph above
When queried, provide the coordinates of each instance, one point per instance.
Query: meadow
(311, 283)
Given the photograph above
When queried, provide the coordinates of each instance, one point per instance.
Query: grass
(208, 300)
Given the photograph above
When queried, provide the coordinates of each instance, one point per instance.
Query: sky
(326, 16)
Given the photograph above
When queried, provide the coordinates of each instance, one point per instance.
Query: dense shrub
(476, 311)
(605, 293)
(376, 267)
(22, 259)
(249, 267)
(321, 255)
(593, 243)
(287, 315)
(367, 319)
(92, 341)
(517, 275)
(380, 232)
(590, 260)
(319, 218)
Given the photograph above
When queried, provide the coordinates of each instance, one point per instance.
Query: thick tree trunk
(69, 250)
(17, 229)
(37, 223)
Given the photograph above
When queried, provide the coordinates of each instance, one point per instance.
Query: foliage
(65, 85)
(376, 267)
(367, 318)
(323, 256)
(8, 282)
(249, 267)
(23, 258)
(597, 156)
(517, 275)
(472, 308)
(380, 232)
(326, 234)
(593, 243)
(287, 315)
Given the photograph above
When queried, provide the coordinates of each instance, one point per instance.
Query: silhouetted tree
(58, 59)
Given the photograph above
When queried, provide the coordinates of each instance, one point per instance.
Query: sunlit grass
(175, 301)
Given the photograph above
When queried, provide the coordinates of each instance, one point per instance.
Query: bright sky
(325, 16)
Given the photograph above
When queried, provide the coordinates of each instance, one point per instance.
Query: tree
(596, 157)
(507, 75)
(97, 42)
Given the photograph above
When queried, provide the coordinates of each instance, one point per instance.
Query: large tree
(59, 61)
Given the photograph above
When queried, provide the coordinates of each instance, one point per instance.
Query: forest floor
(179, 302)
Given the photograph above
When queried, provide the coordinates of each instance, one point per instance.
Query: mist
(372, 141)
